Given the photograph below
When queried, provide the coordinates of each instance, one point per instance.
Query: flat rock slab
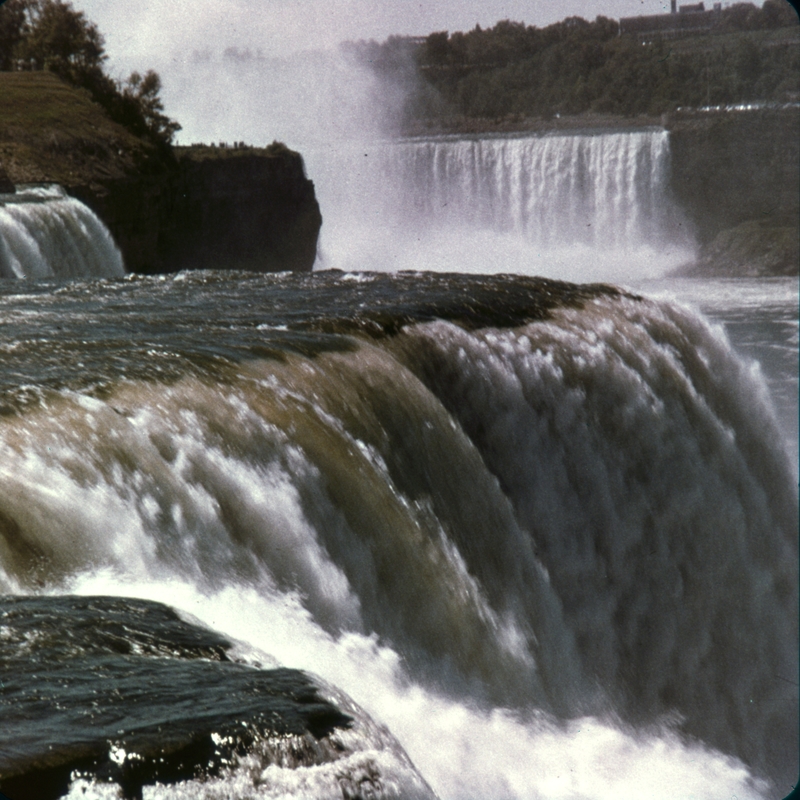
(124, 690)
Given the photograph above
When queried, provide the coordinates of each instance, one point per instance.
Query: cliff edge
(168, 209)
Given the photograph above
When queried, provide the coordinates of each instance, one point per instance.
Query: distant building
(689, 20)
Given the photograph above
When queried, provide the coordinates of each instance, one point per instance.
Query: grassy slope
(52, 132)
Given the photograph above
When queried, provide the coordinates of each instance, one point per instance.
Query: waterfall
(586, 518)
(567, 205)
(604, 190)
(45, 233)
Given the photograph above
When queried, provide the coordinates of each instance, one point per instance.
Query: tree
(779, 14)
(143, 93)
(60, 39)
(435, 50)
(12, 21)
(52, 35)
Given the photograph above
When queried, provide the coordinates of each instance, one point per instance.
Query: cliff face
(188, 209)
(736, 176)
(253, 210)
(731, 167)
(250, 209)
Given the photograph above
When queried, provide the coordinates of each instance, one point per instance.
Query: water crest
(567, 530)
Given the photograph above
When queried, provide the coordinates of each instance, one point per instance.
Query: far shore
(520, 124)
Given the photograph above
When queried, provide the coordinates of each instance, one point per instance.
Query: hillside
(516, 76)
(167, 208)
(52, 132)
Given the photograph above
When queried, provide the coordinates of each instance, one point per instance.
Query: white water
(286, 509)
(463, 752)
(572, 206)
(45, 233)
(580, 207)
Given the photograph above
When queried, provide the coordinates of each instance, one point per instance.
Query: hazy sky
(228, 97)
(151, 33)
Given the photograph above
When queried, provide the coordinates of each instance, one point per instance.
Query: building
(688, 20)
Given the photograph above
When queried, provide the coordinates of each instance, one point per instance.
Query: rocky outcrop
(111, 671)
(167, 209)
(6, 186)
(249, 209)
(252, 210)
(753, 249)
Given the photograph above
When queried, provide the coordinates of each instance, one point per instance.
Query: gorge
(398, 528)
(720, 187)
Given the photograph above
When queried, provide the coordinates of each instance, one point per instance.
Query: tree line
(576, 66)
(52, 35)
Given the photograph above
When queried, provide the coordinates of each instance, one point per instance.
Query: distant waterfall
(581, 206)
(44, 233)
(603, 190)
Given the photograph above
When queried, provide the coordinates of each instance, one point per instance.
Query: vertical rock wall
(250, 209)
(732, 167)
(736, 175)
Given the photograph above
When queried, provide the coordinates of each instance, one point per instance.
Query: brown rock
(6, 186)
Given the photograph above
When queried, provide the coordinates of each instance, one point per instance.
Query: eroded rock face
(168, 209)
(752, 249)
(6, 186)
(249, 211)
(254, 209)
(733, 167)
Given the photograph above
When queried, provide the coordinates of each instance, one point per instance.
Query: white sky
(151, 33)
(218, 98)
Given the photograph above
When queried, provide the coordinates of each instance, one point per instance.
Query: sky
(219, 59)
(219, 98)
(154, 33)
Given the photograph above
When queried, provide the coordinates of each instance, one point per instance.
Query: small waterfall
(44, 233)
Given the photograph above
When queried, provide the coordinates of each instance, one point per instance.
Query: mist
(306, 99)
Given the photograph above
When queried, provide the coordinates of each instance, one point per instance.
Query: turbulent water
(546, 535)
(401, 534)
(44, 233)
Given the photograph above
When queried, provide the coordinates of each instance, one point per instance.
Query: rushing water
(525, 539)
(44, 233)
(545, 534)
(576, 206)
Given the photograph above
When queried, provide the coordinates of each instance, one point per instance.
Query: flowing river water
(476, 535)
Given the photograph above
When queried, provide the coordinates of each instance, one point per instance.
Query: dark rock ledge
(124, 691)
(168, 209)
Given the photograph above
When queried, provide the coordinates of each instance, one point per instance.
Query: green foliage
(50, 35)
(12, 21)
(576, 66)
(58, 38)
(140, 96)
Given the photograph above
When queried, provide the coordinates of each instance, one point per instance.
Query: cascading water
(545, 533)
(581, 205)
(604, 190)
(45, 233)
(544, 536)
